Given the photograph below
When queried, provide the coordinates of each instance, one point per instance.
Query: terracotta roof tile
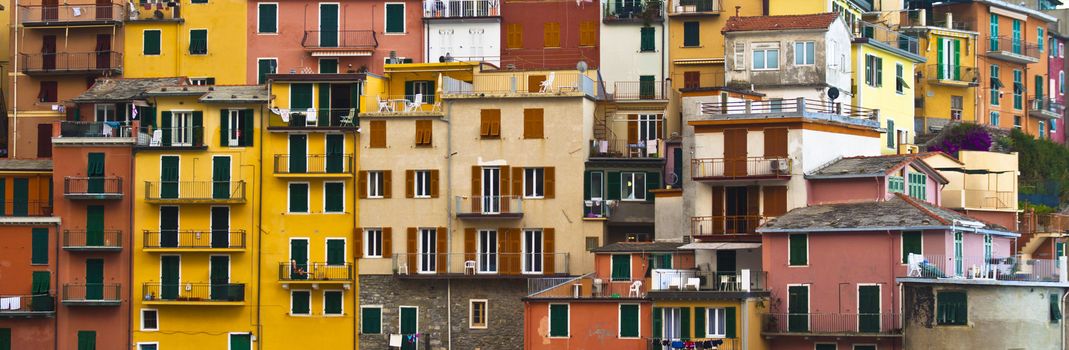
(759, 23)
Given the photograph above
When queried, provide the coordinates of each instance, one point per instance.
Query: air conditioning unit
(779, 166)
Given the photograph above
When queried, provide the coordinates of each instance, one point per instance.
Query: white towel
(651, 147)
(15, 303)
(5, 304)
(106, 129)
(310, 116)
(395, 340)
(77, 11)
(603, 146)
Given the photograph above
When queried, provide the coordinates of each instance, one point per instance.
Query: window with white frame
(148, 346)
(765, 56)
(532, 251)
(900, 81)
(716, 322)
(201, 81)
(477, 313)
(428, 250)
(648, 127)
(373, 243)
(150, 320)
(181, 128)
(994, 118)
(957, 104)
(633, 185)
(375, 185)
(873, 71)
(104, 112)
(422, 183)
(805, 53)
(533, 182)
(235, 123)
(487, 251)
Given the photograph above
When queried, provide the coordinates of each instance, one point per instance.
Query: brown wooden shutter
(362, 184)
(514, 243)
(632, 129)
(534, 83)
(413, 249)
(517, 181)
(378, 134)
(753, 208)
(410, 191)
(775, 200)
(718, 210)
(505, 190)
(550, 181)
(549, 256)
(434, 183)
(387, 242)
(660, 128)
(775, 142)
(504, 242)
(476, 188)
(691, 79)
(424, 133)
(387, 183)
(441, 239)
(533, 123)
(469, 244)
(358, 241)
(490, 123)
(735, 152)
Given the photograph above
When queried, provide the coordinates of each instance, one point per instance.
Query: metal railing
(692, 280)
(28, 303)
(63, 62)
(402, 104)
(1016, 47)
(314, 164)
(887, 36)
(95, 129)
(827, 323)
(481, 264)
(977, 267)
(341, 39)
(621, 148)
(92, 239)
(948, 72)
(156, 11)
(315, 271)
(461, 8)
(1046, 106)
(194, 292)
(91, 292)
(726, 225)
(683, 7)
(77, 13)
(311, 118)
(639, 90)
(805, 107)
(522, 84)
(633, 10)
(1043, 223)
(591, 287)
(25, 208)
(541, 284)
(195, 239)
(990, 199)
(597, 208)
(177, 191)
(489, 205)
(178, 137)
(739, 167)
(92, 186)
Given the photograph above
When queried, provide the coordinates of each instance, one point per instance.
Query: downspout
(259, 225)
(449, 214)
(55, 322)
(356, 210)
(10, 134)
(1061, 323)
(130, 255)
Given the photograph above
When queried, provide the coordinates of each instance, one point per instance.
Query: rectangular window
(1017, 122)
(691, 34)
(150, 320)
(952, 308)
(765, 56)
(104, 112)
(873, 71)
(39, 246)
(559, 320)
(490, 124)
(328, 65)
(370, 320)
(1055, 308)
(424, 133)
(896, 184)
(994, 33)
(900, 81)
(150, 42)
(198, 41)
(265, 66)
(798, 252)
(488, 251)
(533, 250)
(996, 84)
(1040, 38)
(148, 346)
(533, 123)
(987, 248)
(395, 18)
(298, 197)
(182, 128)
(648, 41)
(373, 243)
(428, 250)
(911, 244)
(890, 135)
(333, 197)
(421, 183)
(716, 323)
(87, 340)
(514, 39)
(994, 118)
(551, 34)
(332, 302)
(588, 33)
(957, 104)
(300, 302)
(477, 314)
(48, 91)
(621, 267)
(267, 18)
(918, 186)
(533, 185)
(375, 184)
(1061, 82)
(1018, 89)
(633, 186)
(804, 53)
(628, 321)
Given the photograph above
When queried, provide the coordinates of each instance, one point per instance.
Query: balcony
(156, 11)
(1045, 108)
(26, 212)
(79, 132)
(951, 75)
(72, 63)
(829, 324)
(171, 138)
(92, 240)
(598, 209)
(980, 199)
(92, 188)
(311, 120)
(28, 306)
(748, 168)
(1054, 223)
(669, 284)
(194, 241)
(489, 207)
(194, 192)
(632, 11)
(980, 269)
(584, 287)
(315, 273)
(621, 148)
(726, 227)
(82, 294)
(314, 165)
(340, 43)
(521, 84)
(452, 9)
(91, 14)
(695, 8)
(889, 38)
(789, 108)
(185, 293)
(479, 265)
(639, 90)
(1016, 51)
(419, 105)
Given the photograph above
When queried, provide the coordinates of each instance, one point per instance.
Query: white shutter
(740, 56)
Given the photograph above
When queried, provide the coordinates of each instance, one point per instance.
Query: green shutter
(957, 59)
(699, 322)
(370, 320)
(653, 182)
(658, 317)
(798, 308)
(299, 302)
(248, 121)
(94, 225)
(198, 128)
(240, 342)
(328, 25)
(151, 44)
(586, 184)
(335, 197)
(408, 321)
(224, 128)
(939, 58)
(3, 196)
(221, 177)
(95, 172)
(198, 41)
(558, 320)
(264, 67)
(298, 198)
(799, 250)
(20, 205)
(41, 282)
(1059, 250)
(684, 323)
(328, 66)
(1055, 308)
(890, 133)
(300, 96)
(94, 279)
(5, 338)
(868, 309)
(410, 90)
(39, 248)
(825, 346)
(612, 192)
(170, 267)
(324, 105)
(335, 153)
(298, 162)
(952, 308)
(629, 321)
(169, 177)
(911, 243)
(395, 18)
(335, 252)
(87, 340)
(621, 267)
(648, 43)
(691, 34)
(165, 127)
(299, 255)
(332, 302)
(729, 322)
(219, 276)
(268, 21)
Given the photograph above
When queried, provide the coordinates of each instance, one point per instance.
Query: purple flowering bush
(969, 137)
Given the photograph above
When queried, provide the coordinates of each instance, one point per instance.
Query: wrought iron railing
(740, 167)
(194, 292)
(1012, 268)
(177, 137)
(62, 62)
(887, 36)
(633, 10)
(488, 205)
(314, 271)
(311, 118)
(91, 186)
(639, 90)
(481, 264)
(694, 7)
(949, 72)
(28, 303)
(92, 239)
(827, 323)
(25, 208)
(340, 39)
(71, 13)
(726, 225)
(95, 129)
(91, 292)
(177, 191)
(1013, 46)
(195, 239)
(314, 164)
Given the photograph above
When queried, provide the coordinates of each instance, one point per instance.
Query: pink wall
(846, 190)
(1005, 219)
(1056, 64)
(532, 16)
(593, 325)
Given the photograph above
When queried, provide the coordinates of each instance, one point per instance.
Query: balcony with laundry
(44, 13)
(523, 84)
(41, 304)
(695, 7)
(461, 9)
(632, 11)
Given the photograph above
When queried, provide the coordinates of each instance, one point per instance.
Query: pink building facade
(550, 34)
(1056, 74)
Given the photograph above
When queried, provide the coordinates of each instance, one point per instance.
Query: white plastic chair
(347, 120)
(469, 266)
(597, 285)
(384, 105)
(635, 290)
(310, 116)
(402, 268)
(548, 83)
(914, 265)
(415, 104)
(693, 282)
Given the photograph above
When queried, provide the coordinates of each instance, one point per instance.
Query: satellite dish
(833, 93)
(581, 66)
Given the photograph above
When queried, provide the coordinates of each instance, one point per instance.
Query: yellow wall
(891, 104)
(794, 7)
(748, 309)
(936, 96)
(225, 61)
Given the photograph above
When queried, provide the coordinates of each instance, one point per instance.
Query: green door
(1039, 91)
(169, 271)
(87, 340)
(299, 259)
(219, 276)
(335, 153)
(94, 279)
(240, 342)
(21, 197)
(94, 226)
(298, 154)
(221, 177)
(220, 227)
(168, 227)
(95, 172)
(798, 308)
(868, 309)
(169, 177)
(42, 291)
(646, 88)
(5, 338)
(328, 25)
(408, 326)
(335, 252)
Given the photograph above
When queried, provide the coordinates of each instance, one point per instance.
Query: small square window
(300, 302)
(373, 243)
(591, 243)
(148, 346)
(370, 320)
(198, 41)
(332, 303)
(150, 320)
(477, 314)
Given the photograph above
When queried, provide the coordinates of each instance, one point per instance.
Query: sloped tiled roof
(791, 22)
(621, 247)
(872, 166)
(25, 164)
(119, 90)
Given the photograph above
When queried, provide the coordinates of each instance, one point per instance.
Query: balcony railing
(985, 199)
(695, 7)
(92, 294)
(194, 239)
(1045, 108)
(92, 240)
(1007, 48)
(315, 272)
(96, 187)
(89, 13)
(621, 148)
(633, 10)
(71, 62)
(522, 84)
(195, 191)
(1030, 222)
(859, 324)
(194, 292)
(597, 208)
(171, 137)
(341, 39)
(489, 207)
(669, 280)
(726, 225)
(480, 264)
(740, 168)
(639, 90)
(312, 119)
(461, 8)
(314, 164)
(952, 73)
(25, 208)
(80, 129)
(387, 105)
(39, 305)
(887, 36)
(585, 287)
(156, 11)
(812, 109)
(978, 267)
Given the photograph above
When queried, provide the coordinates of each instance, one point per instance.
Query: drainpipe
(449, 214)
(356, 206)
(15, 92)
(55, 322)
(259, 224)
(130, 253)
(1061, 323)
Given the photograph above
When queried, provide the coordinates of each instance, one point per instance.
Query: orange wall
(639, 263)
(594, 325)
(15, 279)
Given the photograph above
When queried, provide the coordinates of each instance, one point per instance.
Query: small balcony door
(428, 250)
(868, 309)
(221, 177)
(220, 227)
(103, 48)
(94, 279)
(328, 25)
(170, 273)
(298, 153)
(169, 177)
(533, 253)
(95, 173)
(488, 251)
(94, 225)
(169, 227)
(219, 277)
(335, 153)
(298, 259)
(798, 309)
(491, 201)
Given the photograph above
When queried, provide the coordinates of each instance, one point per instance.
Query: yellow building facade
(884, 64)
(205, 42)
(949, 78)
(741, 318)
(849, 10)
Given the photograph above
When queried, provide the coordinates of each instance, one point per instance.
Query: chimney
(950, 20)
(922, 17)
(737, 8)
